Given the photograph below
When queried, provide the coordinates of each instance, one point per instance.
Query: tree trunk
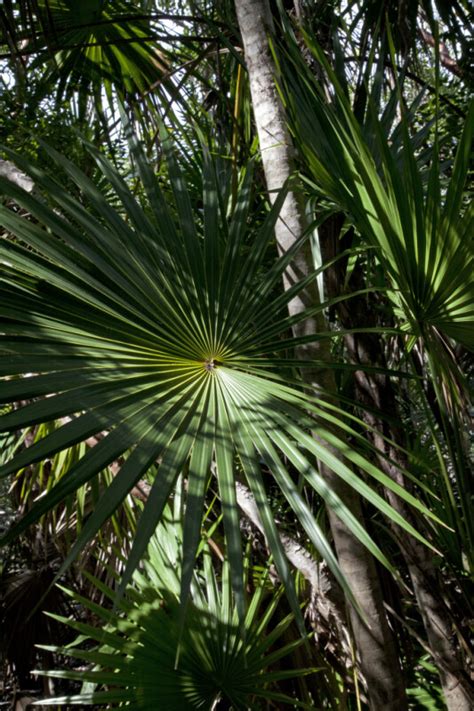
(376, 392)
(375, 643)
(326, 611)
(438, 621)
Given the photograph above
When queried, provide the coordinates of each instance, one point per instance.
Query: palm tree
(151, 320)
(418, 227)
(374, 640)
(168, 361)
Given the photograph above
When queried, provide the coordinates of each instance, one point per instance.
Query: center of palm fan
(211, 363)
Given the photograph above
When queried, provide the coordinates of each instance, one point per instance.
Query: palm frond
(422, 234)
(154, 331)
(145, 658)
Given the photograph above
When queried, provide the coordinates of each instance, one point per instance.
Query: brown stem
(445, 58)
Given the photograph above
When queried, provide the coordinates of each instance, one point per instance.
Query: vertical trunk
(376, 392)
(437, 618)
(375, 643)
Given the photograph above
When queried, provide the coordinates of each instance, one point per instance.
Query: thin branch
(445, 58)
(418, 80)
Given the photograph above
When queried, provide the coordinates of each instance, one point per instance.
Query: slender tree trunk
(438, 621)
(376, 391)
(375, 643)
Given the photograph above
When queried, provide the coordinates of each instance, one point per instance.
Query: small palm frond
(160, 333)
(147, 659)
(423, 235)
(92, 49)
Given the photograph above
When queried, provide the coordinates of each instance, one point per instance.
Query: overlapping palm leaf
(144, 658)
(416, 213)
(60, 527)
(92, 48)
(422, 227)
(155, 327)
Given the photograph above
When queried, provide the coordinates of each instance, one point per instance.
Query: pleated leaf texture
(419, 219)
(93, 47)
(145, 658)
(158, 329)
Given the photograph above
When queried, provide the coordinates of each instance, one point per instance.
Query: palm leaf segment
(422, 228)
(136, 658)
(97, 45)
(154, 331)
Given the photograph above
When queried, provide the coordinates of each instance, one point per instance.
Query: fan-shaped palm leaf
(136, 660)
(420, 222)
(91, 48)
(424, 236)
(162, 334)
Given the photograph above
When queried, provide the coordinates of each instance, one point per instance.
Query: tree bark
(375, 642)
(376, 391)
(438, 620)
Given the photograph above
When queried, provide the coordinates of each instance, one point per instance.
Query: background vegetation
(210, 436)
